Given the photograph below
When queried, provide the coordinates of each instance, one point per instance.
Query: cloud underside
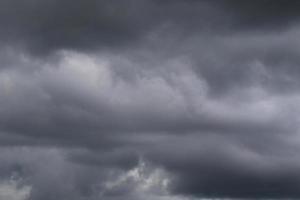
(155, 100)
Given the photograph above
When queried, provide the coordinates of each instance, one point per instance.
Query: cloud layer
(158, 100)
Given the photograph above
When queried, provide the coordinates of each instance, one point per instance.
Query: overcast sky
(149, 99)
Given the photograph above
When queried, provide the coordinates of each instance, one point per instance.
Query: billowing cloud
(10, 190)
(155, 100)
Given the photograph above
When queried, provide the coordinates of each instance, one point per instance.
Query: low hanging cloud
(155, 100)
(10, 190)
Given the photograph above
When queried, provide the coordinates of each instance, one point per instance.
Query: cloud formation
(158, 100)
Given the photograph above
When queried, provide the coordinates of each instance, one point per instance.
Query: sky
(149, 99)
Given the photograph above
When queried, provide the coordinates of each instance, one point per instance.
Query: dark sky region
(149, 99)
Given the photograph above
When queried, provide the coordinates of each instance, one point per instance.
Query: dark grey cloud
(270, 14)
(155, 100)
(45, 26)
(215, 167)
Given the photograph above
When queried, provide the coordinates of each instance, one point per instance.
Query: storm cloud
(149, 99)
